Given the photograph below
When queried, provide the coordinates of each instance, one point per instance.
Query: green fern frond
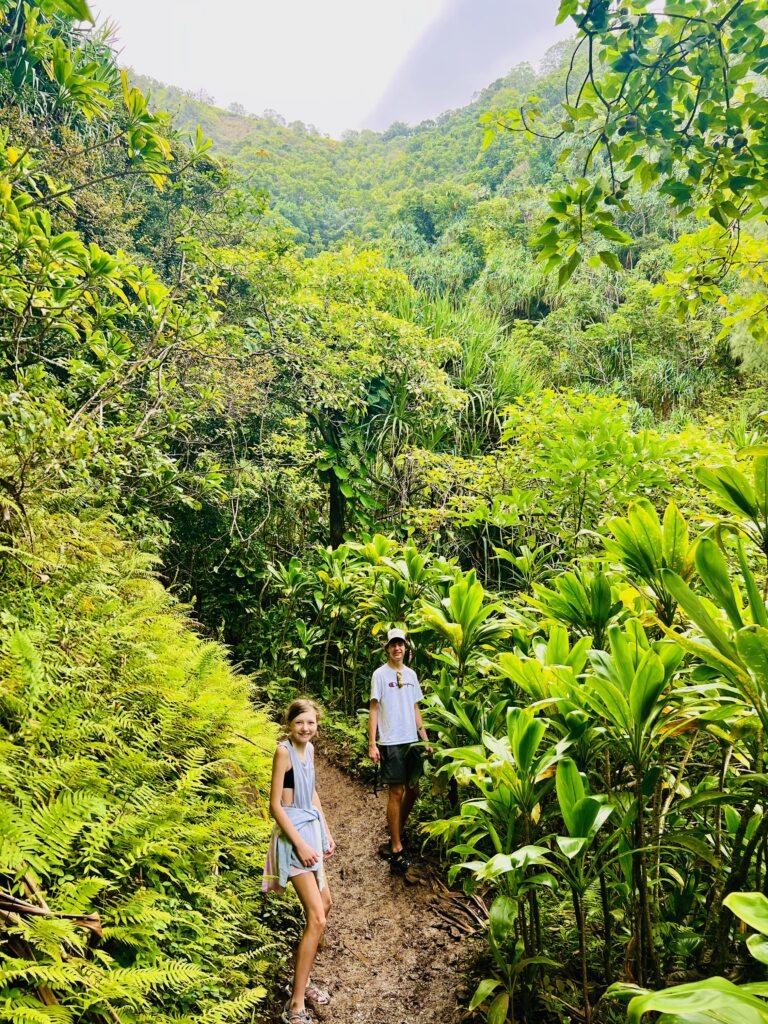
(53, 974)
(16, 1008)
(234, 1010)
(170, 974)
(28, 662)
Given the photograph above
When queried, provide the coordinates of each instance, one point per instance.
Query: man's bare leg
(406, 805)
(394, 816)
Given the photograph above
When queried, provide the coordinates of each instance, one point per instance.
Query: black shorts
(401, 764)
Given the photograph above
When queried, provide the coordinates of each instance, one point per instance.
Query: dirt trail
(395, 952)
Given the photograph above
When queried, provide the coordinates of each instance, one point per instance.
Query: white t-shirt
(397, 718)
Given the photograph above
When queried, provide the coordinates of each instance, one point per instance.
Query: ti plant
(582, 600)
(629, 689)
(584, 816)
(509, 960)
(469, 624)
(645, 547)
(714, 1000)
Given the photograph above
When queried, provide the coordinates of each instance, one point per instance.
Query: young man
(395, 696)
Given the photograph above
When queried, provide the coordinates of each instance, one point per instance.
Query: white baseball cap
(395, 634)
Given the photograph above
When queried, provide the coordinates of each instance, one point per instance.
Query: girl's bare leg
(316, 905)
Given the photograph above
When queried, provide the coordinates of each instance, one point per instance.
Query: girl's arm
(331, 842)
(280, 764)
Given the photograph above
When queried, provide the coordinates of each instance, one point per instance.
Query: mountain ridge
(331, 190)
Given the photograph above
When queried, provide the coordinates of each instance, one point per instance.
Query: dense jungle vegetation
(266, 394)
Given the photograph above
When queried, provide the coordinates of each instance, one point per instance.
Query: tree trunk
(581, 926)
(337, 504)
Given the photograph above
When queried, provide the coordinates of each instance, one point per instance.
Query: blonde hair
(299, 707)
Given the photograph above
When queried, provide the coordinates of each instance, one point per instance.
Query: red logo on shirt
(391, 684)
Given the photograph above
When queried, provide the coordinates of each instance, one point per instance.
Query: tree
(663, 96)
(367, 382)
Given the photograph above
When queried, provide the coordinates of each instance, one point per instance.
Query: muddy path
(395, 951)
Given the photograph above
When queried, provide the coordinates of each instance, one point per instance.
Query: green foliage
(461, 223)
(565, 463)
(713, 999)
(568, 767)
(182, 388)
(667, 97)
(582, 600)
(125, 790)
(646, 546)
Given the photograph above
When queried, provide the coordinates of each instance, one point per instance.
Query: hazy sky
(336, 64)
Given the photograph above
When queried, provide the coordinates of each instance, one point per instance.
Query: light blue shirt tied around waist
(304, 817)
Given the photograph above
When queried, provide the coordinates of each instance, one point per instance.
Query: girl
(300, 843)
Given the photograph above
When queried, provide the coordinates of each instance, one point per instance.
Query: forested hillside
(333, 190)
(263, 398)
(460, 220)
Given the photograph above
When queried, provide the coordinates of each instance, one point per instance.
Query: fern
(30, 665)
(124, 790)
(234, 1009)
(18, 1009)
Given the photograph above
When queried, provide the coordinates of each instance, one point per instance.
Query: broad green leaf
(675, 539)
(570, 790)
(74, 8)
(752, 645)
(610, 259)
(715, 999)
(761, 488)
(621, 654)
(483, 990)
(758, 947)
(570, 846)
(696, 611)
(647, 687)
(732, 489)
(756, 602)
(750, 907)
(502, 917)
(497, 1013)
(714, 572)
(525, 734)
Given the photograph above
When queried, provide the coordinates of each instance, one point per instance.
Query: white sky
(332, 64)
(324, 62)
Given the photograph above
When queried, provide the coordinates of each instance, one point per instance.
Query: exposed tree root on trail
(396, 950)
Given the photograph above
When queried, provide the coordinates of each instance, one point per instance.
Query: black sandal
(399, 863)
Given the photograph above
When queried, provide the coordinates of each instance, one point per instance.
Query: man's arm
(373, 722)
